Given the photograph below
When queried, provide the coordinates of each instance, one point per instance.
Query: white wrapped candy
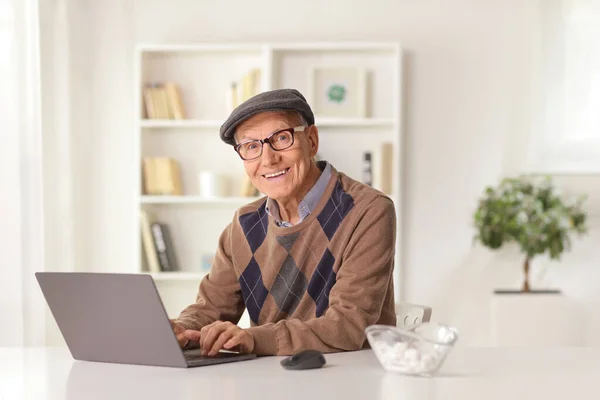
(427, 362)
(412, 355)
(399, 350)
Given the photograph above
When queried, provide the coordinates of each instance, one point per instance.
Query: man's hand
(179, 333)
(221, 335)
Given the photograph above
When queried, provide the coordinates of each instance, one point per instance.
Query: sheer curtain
(36, 171)
(568, 128)
(21, 164)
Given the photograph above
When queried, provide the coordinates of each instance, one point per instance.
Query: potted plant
(531, 213)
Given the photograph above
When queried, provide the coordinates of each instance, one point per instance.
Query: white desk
(478, 374)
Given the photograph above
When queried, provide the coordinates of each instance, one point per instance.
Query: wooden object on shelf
(162, 176)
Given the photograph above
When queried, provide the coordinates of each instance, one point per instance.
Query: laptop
(118, 318)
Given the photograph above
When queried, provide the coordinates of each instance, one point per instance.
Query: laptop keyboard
(195, 355)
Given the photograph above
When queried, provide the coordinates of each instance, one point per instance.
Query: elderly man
(312, 261)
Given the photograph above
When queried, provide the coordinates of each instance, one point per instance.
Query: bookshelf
(204, 74)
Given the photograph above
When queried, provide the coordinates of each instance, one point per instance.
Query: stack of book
(240, 91)
(163, 101)
(161, 176)
(248, 189)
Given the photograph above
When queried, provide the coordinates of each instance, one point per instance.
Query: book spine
(161, 247)
(176, 107)
(149, 248)
(164, 247)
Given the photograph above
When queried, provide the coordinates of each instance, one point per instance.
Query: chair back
(408, 314)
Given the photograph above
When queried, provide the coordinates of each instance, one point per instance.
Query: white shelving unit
(204, 72)
(209, 201)
(177, 276)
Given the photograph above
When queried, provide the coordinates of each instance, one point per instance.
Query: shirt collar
(310, 200)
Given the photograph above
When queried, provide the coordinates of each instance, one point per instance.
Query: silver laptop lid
(116, 318)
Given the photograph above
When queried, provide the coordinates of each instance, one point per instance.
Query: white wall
(469, 69)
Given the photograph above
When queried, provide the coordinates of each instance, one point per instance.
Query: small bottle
(367, 169)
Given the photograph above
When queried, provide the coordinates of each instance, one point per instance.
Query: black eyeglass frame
(268, 140)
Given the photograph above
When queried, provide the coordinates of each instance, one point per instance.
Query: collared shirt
(308, 203)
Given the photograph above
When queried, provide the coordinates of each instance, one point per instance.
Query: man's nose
(269, 156)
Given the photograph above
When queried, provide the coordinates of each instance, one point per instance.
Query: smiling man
(312, 261)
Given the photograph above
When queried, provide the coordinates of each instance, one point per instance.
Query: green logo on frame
(336, 93)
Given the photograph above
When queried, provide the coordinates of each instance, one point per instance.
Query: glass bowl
(419, 350)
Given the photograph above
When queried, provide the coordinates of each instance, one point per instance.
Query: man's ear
(313, 140)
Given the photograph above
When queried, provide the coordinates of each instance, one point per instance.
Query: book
(161, 176)
(248, 86)
(149, 249)
(164, 247)
(248, 189)
(175, 101)
(163, 101)
(149, 107)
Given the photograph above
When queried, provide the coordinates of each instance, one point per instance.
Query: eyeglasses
(280, 140)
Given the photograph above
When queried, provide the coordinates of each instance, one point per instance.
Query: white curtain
(568, 128)
(36, 173)
(22, 236)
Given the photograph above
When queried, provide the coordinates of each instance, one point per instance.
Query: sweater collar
(310, 200)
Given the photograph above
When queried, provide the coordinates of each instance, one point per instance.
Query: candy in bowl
(420, 350)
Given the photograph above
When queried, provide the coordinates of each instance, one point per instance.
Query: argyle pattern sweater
(315, 285)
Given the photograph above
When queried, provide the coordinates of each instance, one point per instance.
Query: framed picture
(338, 91)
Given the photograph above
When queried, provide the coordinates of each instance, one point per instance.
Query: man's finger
(223, 337)
(204, 332)
(192, 335)
(234, 341)
(211, 336)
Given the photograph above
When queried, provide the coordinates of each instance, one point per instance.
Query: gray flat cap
(274, 100)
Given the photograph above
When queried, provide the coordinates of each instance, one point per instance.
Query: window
(568, 121)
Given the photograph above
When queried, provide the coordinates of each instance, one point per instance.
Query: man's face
(281, 175)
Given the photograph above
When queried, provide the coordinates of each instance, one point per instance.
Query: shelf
(201, 48)
(186, 123)
(354, 122)
(335, 46)
(178, 276)
(216, 124)
(259, 47)
(197, 200)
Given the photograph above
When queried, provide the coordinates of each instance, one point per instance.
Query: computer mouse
(307, 359)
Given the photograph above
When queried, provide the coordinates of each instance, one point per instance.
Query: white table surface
(469, 373)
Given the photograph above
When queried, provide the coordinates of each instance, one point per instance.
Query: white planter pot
(535, 319)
